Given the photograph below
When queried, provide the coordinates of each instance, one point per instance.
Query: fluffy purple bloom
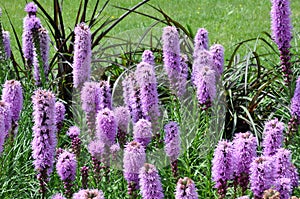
(60, 111)
(261, 176)
(89, 194)
(272, 137)
(182, 76)
(82, 55)
(295, 102)
(145, 75)
(186, 189)
(105, 95)
(283, 186)
(2, 134)
(96, 148)
(12, 93)
(31, 8)
(122, 116)
(205, 82)
(217, 52)
(133, 160)
(132, 99)
(172, 141)
(6, 43)
(5, 111)
(150, 184)
(200, 41)
(106, 127)
(66, 166)
(142, 132)
(58, 196)
(148, 57)
(204, 59)
(73, 132)
(44, 49)
(44, 137)
(223, 166)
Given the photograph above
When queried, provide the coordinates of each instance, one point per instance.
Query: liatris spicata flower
(271, 194)
(66, 168)
(244, 150)
(2, 134)
(132, 99)
(261, 175)
(295, 110)
(58, 196)
(222, 169)
(133, 160)
(97, 150)
(44, 137)
(148, 57)
(142, 132)
(200, 42)
(186, 189)
(182, 76)
(90, 98)
(5, 111)
(6, 43)
(82, 55)
(105, 96)
(282, 34)
(73, 133)
(31, 8)
(172, 144)
(205, 82)
(148, 92)
(84, 176)
(106, 127)
(89, 194)
(294, 176)
(283, 186)
(217, 52)
(122, 117)
(150, 184)
(114, 149)
(272, 137)
(60, 111)
(44, 48)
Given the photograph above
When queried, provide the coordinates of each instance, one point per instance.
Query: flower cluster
(186, 189)
(142, 132)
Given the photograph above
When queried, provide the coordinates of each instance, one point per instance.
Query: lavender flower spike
(217, 52)
(89, 194)
(148, 57)
(58, 196)
(6, 42)
(5, 111)
(282, 34)
(31, 8)
(200, 41)
(272, 137)
(222, 169)
(150, 183)
(44, 137)
(122, 116)
(172, 144)
(82, 55)
(283, 186)
(106, 127)
(186, 189)
(44, 48)
(295, 111)
(60, 111)
(66, 168)
(142, 132)
(105, 95)
(133, 160)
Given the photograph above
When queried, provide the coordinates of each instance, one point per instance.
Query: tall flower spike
(172, 144)
(182, 76)
(44, 48)
(217, 52)
(6, 43)
(244, 150)
(122, 116)
(105, 95)
(66, 168)
(97, 149)
(186, 189)
(201, 41)
(204, 59)
(205, 82)
(272, 137)
(222, 169)
(82, 55)
(74, 133)
(44, 137)
(89, 194)
(282, 34)
(295, 111)
(106, 127)
(84, 176)
(148, 57)
(261, 175)
(60, 111)
(142, 132)
(5, 111)
(283, 186)
(133, 160)
(150, 184)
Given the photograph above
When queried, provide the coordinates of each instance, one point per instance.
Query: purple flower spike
(272, 137)
(89, 194)
(148, 57)
(31, 8)
(6, 43)
(244, 150)
(60, 111)
(84, 176)
(2, 135)
(142, 132)
(82, 55)
(204, 59)
(201, 41)
(133, 160)
(186, 189)
(282, 34)
(295, 102)
(58, 196)
(283, 186)
(66, 168)
(44, 137)
(122, 116)
(150, 183)
(222, 169)
(74, 133)
(97, 150)
(5, 111)
(182, 76)
(105, 95)
(106, 127)
(261, 176)
(44, 48)
(217, 52)
(205, 82)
